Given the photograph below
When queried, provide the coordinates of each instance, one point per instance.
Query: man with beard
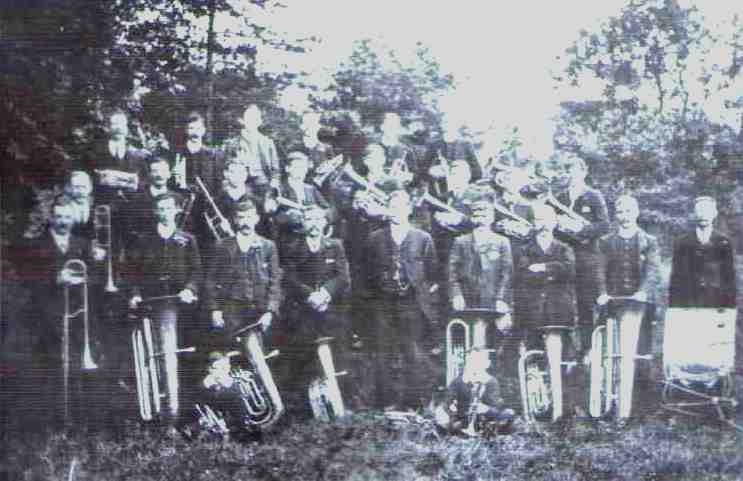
(544, 278)
(79, 190)
(167, 265)
(583, 235)
(287, 222)
(703, 272)
(316, 284)
(48, 278)
(257, 152)
(629, 268)
(402, 287)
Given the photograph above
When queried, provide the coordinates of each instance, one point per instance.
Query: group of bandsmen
(370, 241)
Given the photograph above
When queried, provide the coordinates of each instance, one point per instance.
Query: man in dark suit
(167, 262)
(115, 152)
(402, 287)
(582, 231)
(287, 222)
(703, 272)
(48, 276)
(316, 282)
(545, 294)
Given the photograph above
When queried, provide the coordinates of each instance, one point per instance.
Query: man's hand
(540, 267)
(217, 320)
(68, 278)
(438, 172)
(570, 225)
(448, 219)
(134, 302)
(270, 205)
(458, 302)
(502, 307)
(266, 320)
(640, 296)
(320, 300)
(187, 296)
(99, 254)
(602, 300)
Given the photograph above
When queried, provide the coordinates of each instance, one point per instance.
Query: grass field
(371, 448)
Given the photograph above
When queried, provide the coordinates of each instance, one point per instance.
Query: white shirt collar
(194, 146)
(245, 242)
(165, 231)
(235, 193)
(117, 148)
(314, 243)
(704, 235)
(544, 240)
(399, 232)
(62, 241)
(628, 233)
(155, 191)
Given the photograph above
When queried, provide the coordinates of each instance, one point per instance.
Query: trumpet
(218, 223)
(326, 169)
(118, 179)
(427, 198)
(79, 271)
(324, 393)
(563, 209)
(102, 227)
(513, 225)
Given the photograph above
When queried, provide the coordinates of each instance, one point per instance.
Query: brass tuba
(259, 393)
(540, 376)
(465, 332)
(324, 393)
(612, 358)
(156, 367)
(79, 272)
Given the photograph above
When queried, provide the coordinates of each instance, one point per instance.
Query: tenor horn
(102, 228)
(79, 271)
(540, 376)
(325, 393)
(156, 367)
(612, 358)
(259, 393)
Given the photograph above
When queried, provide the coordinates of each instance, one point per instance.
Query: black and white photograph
(371, 240)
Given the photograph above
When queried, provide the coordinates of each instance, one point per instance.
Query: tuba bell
(259, 393)
(156, 367)
(325, 396)
(540, 376)
(612, 358)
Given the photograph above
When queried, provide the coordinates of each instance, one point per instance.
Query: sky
(501, 53)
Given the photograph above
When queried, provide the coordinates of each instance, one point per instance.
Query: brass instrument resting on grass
(325, 396)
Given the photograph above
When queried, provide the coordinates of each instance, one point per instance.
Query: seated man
(474, 400)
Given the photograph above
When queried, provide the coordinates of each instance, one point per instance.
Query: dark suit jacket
(545, 298)
(207, 164)
(642, 275)
(165, 267)
(228, 279)
(134, 160)
(417, 257)
(702, 275)
(483, 278)
(441, 151)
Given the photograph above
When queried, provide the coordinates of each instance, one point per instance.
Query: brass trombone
(217, 222)
(102, 227)
(79, 271)
(325, 393)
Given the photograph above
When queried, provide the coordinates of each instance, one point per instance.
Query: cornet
(376, 193)
(326, 169)
(102, 227)
(218, 223)
(324, 393)
(118, 179)
(78, 270)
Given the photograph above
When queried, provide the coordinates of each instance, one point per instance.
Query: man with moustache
(316, 284)
(166, 262)
(703, 272)
(196, 159)
(402, 286)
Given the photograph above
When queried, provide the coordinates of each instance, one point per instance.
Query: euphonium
(156, 371)
(465, 332)
(218, 223)
(540, 376)
(259, 393)
(325, 393)
(612, 358)
(102, 227)
(77, 269)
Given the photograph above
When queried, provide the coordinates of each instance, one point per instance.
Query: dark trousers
(403, 373)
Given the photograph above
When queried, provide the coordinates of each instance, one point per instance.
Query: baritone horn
(467, 331)
(325, 396)
(612, 358)
(259, 393)
(102, 227)
(540, 376)
(78, 272)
